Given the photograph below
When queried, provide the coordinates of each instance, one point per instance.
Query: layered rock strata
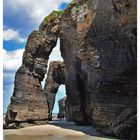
(99, 47)
(62, 106)
(98, 44)
(29, 103)
(55, 77)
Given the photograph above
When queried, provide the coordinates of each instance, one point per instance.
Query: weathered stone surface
(125, 126)
(29, 103)
(99, 47)
(62, 106)
(98, 44)
(55, 77)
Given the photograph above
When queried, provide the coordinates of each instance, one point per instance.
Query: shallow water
(86, 137)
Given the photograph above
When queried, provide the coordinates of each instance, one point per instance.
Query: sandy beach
(55, 130)
(47, 130)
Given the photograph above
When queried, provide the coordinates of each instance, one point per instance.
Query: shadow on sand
(88, 130)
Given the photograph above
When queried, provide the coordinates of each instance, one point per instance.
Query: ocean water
(86, 137)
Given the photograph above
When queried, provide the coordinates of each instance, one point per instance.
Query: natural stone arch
(29, 103)
(55, 77)
(98, 45)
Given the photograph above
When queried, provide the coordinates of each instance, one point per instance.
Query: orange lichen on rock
(82, 25)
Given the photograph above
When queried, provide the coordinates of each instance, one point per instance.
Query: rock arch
(29, 102)
(55, 77)
(99, 48)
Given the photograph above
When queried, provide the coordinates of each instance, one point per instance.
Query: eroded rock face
(98, 44)
(62, 106)
(55, 77)
(29, 102)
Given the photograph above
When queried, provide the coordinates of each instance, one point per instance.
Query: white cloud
(36, 10)
(56, 54)
(10, 34)
(12, 60)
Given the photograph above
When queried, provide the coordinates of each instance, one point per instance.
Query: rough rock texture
(99, 47)
(98, 44)
(62, 104)
(29, 103)
(55, 77)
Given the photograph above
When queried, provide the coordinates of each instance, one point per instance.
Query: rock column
(55, 77)
(29, 102)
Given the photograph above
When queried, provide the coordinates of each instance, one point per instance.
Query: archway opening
(61, 93)
(54, 56)
(57, 91)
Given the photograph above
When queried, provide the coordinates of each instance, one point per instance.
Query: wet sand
(55, 130)
(43, 130)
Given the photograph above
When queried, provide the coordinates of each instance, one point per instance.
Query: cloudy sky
(20, 18)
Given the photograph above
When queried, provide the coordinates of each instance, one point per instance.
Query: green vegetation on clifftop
(53, 15)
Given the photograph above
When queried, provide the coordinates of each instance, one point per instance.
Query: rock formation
(62, 106)
(55, 77)
(99, 48)
(29, 103)
(98, 44)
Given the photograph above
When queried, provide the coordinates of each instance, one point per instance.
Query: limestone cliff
(99, 48)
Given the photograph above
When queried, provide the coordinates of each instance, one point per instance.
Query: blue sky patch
(63, 6)
(12, 45)
(19, 17)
